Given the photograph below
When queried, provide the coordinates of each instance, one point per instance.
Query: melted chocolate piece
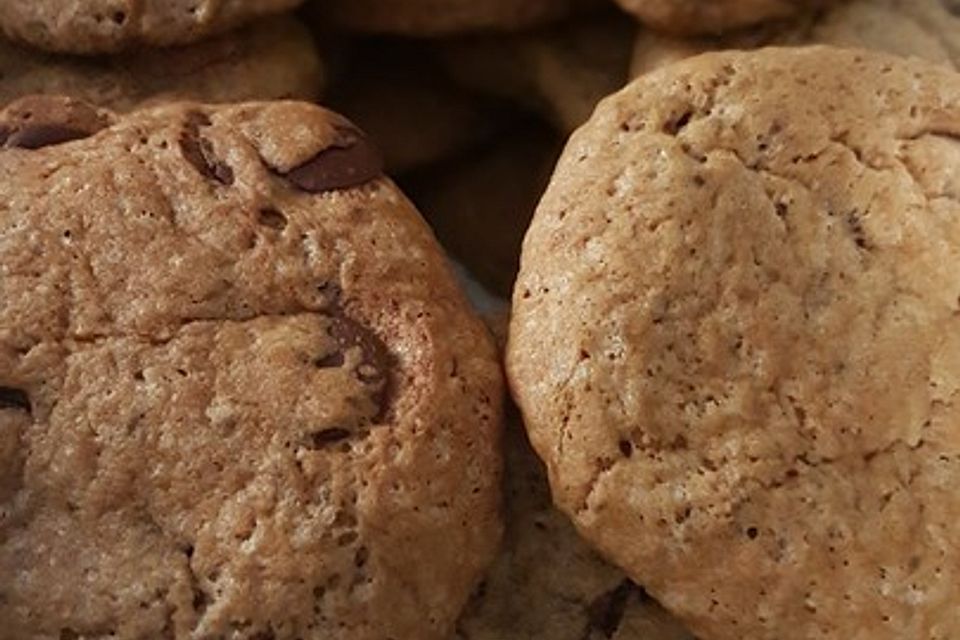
(352, 160)
(198, 151)
(35, 122)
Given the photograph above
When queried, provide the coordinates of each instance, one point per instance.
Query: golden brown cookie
(240, 393)
(715, 16)
(560, 71)
(736, 342)
(441, 17)
(274, 59)
(546, 582)
(928, 29)
(404, 100)
(480, 204)
(103, 26)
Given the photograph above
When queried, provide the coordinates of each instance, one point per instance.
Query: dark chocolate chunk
(325, 437)
(11, 398)
(605, 613)
(198, 151)
(352, 160)
(375, 359)
(35, 122)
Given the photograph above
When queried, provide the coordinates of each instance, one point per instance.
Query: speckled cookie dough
(715, 16)
(105, 26)
(240, 393)
(927, 29)
(275, 59)
(736, 342)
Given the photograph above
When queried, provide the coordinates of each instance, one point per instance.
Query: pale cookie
(928, 29)
(404, 100)
(736, 342)
(103, 26)
(547, 583)
(272, 60)
(240, 394)
(560, 71)
(479, 205)
(442, 17)
(715, 16)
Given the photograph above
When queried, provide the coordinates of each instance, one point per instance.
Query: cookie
(546, 582)
(736, 342)
(479, 205)
(441, 17)
(403, 99)
(109, 26)
(715, 16)
(928, 29)
(240, 393)
(560, 71)
(273, 60)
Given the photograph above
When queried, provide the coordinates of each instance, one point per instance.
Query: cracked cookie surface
(927, 29)
(714, 16)
(735, 342)
(108, 26)
(275, 59)
(240, 393)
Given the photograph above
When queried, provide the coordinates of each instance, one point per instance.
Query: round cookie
(272, 60)
(240, 393)
(107, 26)
(736, 342)
(560, 71)
(928, 29)
(546, 582)
(714, 16)
(441, 17)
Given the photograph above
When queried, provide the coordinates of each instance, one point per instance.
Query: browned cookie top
(102, 26)
(714, 16)
(240, 394)
(736, 342)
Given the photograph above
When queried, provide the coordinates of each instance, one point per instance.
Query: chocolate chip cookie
(442, 17)
(104, 26)
(240, 393)
(928, 29)
(560, 71)
(547, 583)
(715, 16)
(272, 60)
(736, 342)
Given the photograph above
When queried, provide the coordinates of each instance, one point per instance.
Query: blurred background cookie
(101, 26)
(401, 96)
(928, 29)
(549, 584)
(560, 71)
(714, 16)
(276, 58)
(441, 17)
(479, 204)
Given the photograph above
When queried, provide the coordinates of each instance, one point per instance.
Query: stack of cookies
(256, 355)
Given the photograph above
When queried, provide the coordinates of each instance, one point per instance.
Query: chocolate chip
(352, 160)
(375, 358)
(605, 613)
(325, 437)
(11, 398)
(35, 122)
(198, 151)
